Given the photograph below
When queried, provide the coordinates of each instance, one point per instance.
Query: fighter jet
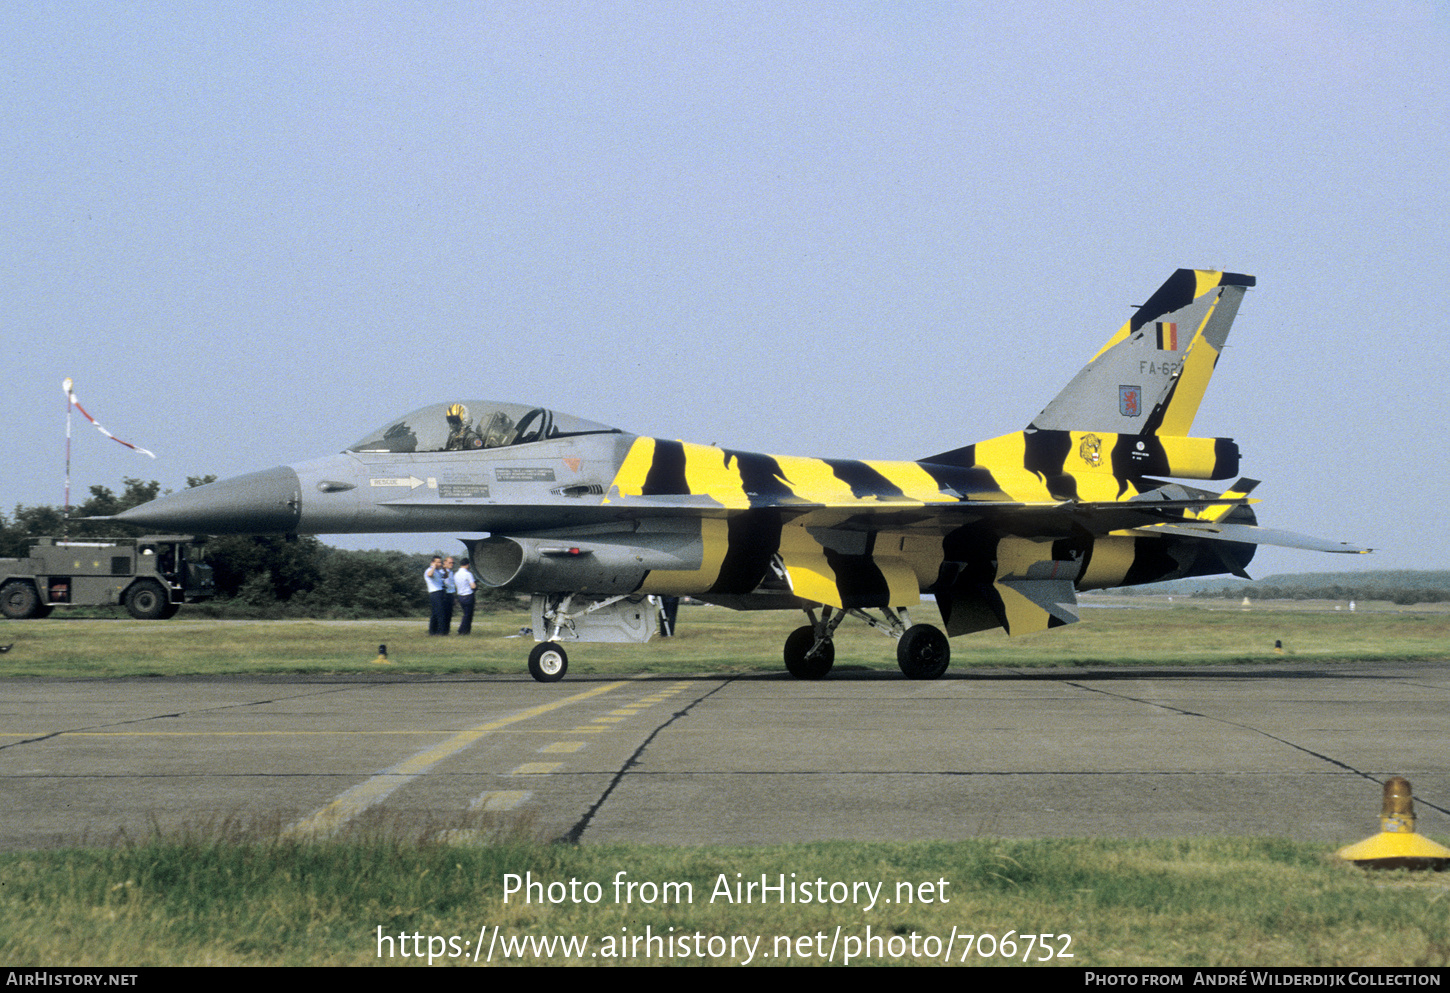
(591, 520)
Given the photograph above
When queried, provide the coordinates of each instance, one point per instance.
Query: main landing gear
(922, 651)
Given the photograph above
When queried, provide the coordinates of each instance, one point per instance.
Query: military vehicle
(151, 576)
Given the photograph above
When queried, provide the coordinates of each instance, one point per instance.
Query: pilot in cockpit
(461, 435)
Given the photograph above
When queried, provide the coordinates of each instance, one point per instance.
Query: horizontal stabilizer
(1234, 496)
(1249, 534)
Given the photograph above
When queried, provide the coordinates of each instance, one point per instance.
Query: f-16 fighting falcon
(591, 520)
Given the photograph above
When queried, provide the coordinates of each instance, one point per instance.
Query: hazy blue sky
(881, 230)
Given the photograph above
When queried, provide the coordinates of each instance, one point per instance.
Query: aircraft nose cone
(266, 502)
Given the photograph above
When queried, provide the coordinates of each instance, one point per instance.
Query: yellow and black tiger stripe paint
(1002, 532)
(1035, 467)
(852, 533)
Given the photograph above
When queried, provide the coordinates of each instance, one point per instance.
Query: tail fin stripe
(1151, 376)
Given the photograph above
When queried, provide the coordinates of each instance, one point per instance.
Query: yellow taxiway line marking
(605, 722)
(496, 800)
(374, 790)
(258, 734)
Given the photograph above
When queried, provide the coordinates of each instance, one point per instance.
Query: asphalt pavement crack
(1330, 760)
(160, 717)
(572, 836)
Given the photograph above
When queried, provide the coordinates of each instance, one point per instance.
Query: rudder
(1152, 374)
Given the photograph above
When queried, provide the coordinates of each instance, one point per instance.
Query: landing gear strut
(805, 658)
(922, 651)
(565, 617)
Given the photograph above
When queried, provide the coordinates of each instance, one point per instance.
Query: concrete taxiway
(1295, 750)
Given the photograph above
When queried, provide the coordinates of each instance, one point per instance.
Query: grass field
(247, 894)
(711, 640)
(1214, 902)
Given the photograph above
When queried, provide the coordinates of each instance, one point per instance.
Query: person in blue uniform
(466, 585)
(434, 577)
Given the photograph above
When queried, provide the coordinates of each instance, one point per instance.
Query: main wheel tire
(548, 662)
(19, 601)
(796, 647)
(923, 652)
(147, 601)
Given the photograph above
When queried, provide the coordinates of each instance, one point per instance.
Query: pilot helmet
(457, 414)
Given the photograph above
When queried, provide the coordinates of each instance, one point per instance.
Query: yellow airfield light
(1397, 846)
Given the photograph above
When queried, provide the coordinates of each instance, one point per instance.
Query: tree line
(1396, 594)
(256, 575)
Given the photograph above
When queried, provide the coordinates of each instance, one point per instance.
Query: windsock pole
(70, 401)
(67, 387)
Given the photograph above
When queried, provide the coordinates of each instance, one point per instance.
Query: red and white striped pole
(71, 401)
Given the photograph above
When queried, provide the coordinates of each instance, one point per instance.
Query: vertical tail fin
(1151, 376)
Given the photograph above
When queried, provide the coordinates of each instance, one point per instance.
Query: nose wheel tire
(923, 652)
(796, 647)
(548, 662)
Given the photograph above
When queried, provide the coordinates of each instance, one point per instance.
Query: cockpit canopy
(473, 425)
